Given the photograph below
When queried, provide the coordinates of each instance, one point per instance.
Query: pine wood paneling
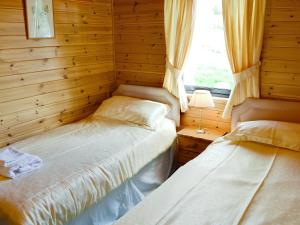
(280, 77)
(49, 82)
(139, 41)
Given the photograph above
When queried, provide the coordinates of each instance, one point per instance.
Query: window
(207, 64)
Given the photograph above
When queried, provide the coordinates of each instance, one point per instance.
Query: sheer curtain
(179, 21)
(244, 26)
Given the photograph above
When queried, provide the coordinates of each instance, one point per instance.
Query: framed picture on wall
(39, 18)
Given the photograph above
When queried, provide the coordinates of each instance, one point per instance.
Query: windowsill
(216, 92)
(223, 99)
(220, 99)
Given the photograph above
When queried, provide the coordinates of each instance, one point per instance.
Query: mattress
(229, 184)
(83, 162)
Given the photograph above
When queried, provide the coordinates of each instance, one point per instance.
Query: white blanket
(229, 184)
(83, 162)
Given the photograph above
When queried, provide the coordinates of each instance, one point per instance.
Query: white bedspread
(229, 184)
(82, 163)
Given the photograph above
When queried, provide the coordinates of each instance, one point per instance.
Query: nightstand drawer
(185, 156)
(192, 144)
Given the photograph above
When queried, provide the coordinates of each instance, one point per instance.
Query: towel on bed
(14, 163)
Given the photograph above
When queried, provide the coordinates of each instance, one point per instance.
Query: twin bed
(251, 176)
(96, 169)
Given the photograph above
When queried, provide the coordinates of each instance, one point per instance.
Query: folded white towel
(15, 163)
(10, 156)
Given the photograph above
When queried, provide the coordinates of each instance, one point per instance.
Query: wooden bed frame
(266, 109)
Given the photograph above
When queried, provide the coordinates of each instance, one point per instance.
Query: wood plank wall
(139, 41)
(281, 51)
(50, 82)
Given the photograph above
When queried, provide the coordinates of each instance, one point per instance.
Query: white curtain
(179, 17)
(244, 27)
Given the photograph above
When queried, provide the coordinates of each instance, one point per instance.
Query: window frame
(216, 92)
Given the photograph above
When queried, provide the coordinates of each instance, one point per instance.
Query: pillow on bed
(138, 111)
(279, 134)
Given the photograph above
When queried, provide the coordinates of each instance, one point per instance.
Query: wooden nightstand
(191, 144)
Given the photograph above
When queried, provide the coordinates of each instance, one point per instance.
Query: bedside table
(191, 144)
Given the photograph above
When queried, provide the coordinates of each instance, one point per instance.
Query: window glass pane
(207, 63)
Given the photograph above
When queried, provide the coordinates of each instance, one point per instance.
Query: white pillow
(279, 134)
(138, 111)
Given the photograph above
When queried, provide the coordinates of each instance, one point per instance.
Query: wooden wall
(50, 82)
(281, 51)
(139, 41)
